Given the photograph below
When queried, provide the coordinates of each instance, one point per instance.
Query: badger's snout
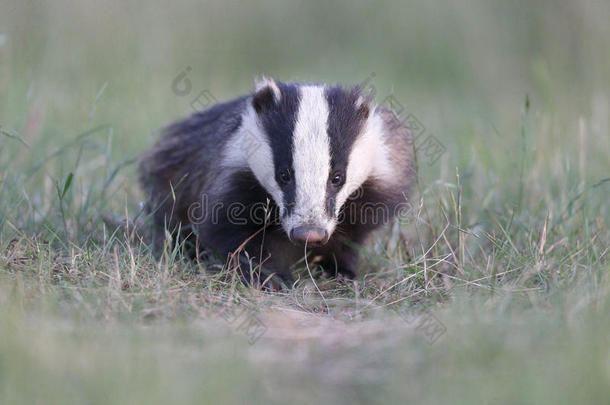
(309, 234)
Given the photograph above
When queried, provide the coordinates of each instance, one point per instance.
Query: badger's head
(311, 147)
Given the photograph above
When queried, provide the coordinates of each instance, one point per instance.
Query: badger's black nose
(309, 234)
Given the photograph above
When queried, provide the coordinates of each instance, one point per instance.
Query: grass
(493, 290)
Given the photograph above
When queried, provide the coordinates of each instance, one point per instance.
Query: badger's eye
(285, 176)
(337, 179)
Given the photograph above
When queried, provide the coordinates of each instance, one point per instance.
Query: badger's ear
(363, 104)
(266, 94)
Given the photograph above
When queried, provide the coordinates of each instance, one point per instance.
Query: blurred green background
(84, 88)
(463, 69)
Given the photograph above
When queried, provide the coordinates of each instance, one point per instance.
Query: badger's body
(289, 169)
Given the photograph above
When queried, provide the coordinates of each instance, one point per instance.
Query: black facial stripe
(239, 212)
(279, 121)
(345, 122)
(248, 193)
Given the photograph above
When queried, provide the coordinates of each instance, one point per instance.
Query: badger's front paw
(273, 283)
(339, 271)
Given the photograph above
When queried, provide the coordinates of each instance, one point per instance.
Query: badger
(288, 172)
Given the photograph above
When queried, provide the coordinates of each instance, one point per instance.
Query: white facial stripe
(249, 148)
(368, 158)
(382, 165)
(311, 156)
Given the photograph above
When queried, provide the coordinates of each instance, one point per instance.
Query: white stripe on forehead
(311, 154)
